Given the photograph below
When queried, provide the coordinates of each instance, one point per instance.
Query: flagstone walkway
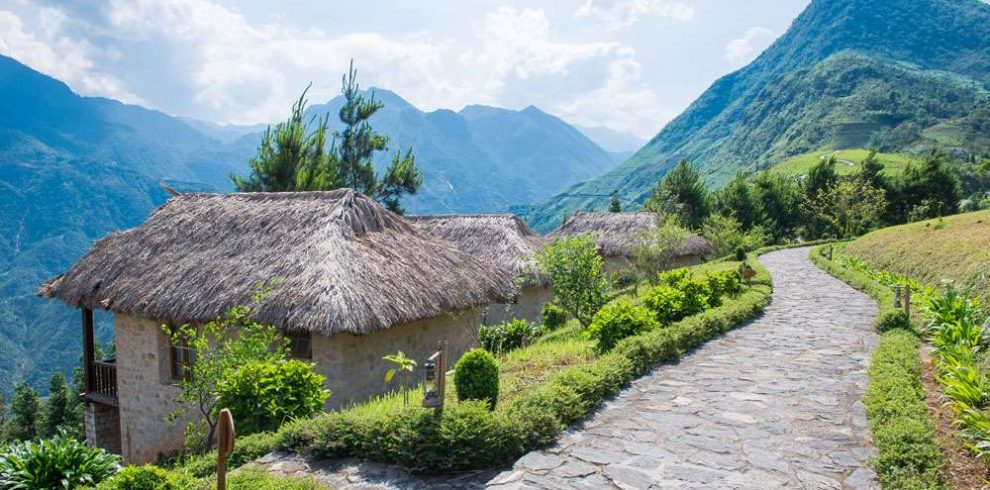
(775, 404)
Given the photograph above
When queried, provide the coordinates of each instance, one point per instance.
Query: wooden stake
(225, 445)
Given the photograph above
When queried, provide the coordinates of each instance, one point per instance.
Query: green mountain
(73, 169)
(896, 74)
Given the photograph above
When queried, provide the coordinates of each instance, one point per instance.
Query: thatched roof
(618, 234)
(345, 264)
(499, 239)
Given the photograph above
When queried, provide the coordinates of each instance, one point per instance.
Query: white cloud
(741, 51)
(621, 13)
(50, 51)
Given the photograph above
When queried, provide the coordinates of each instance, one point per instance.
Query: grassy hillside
(849, 162)
(954, 248)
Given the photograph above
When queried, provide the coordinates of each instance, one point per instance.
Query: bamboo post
(225, 445)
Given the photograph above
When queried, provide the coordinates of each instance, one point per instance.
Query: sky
(628, 65)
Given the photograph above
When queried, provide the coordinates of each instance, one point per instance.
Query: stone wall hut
(357, 282)
(504, 241)
(619, 234)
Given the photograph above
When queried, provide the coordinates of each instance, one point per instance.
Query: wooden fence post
(225, 445)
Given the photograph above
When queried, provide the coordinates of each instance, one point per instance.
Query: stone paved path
(772, 405)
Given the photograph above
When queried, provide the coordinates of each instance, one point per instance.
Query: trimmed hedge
(908, 454)
(465, 436)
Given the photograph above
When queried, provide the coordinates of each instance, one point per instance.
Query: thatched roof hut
(618, 234)
(345, 264)
(503, 240)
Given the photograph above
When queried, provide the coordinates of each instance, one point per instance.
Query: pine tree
(57, 412)
(294, 157)
(614, 205)
(25, 408)
(681, 193)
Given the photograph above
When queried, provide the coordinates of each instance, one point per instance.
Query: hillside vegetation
(898, 75)
(849, 162)
(952, 248)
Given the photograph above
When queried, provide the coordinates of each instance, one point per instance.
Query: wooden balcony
(101, 376)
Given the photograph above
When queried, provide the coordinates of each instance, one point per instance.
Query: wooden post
(89, 353)
(907, 301)
(225, 445)
(442, 371)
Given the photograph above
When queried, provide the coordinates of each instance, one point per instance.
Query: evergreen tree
(614, 205)
(25, 407)
(871, 171)
(3, 419)
(737, 200)
(294, 156)
(779, 199)
(820, 179)
(932, 189)
(681, 193)
(57, 410)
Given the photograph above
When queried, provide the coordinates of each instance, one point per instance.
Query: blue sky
(629, 65)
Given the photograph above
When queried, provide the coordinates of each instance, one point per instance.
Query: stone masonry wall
(102, 424)
(145, 391)
(529, 307)
(353, 364)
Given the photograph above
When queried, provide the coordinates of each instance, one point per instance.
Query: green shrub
(258, 479)
(674, 278)
(696, 296)
(502, 338)
(476, 377)
(618, 320)
(248, 448)
(624, 278)
(263, 395)
(892, 319)
(147, 477)
(740, 254)
(723, 283)
(553, 316)
(666, 302)
(59, 462)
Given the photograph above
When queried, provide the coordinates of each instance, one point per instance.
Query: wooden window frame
(299, 335)
(174, 362)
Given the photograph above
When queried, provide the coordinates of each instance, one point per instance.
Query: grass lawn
(802, 164)
(954, 249)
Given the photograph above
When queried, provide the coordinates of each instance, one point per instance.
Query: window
(181, 359)
(300, 345)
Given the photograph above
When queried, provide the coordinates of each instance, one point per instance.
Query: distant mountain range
(898, 75)
(73, 169)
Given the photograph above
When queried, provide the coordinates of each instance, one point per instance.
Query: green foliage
(61, 462)
(931, 189)
(740, 254)
(891, 320)
(294, 157)
(666, 302)
(723, 283)
(221, 347)
(57, 412)
(262, 395)
(476, 377)
(656, 248)
(697, 296)
(617, 320)
(405, 367)
(614, 205)
(577, 271)
(25, 409)
(845, 209)
(553, 316)
(682, 194)
(147, 477)
(502, 338)
(726, 236)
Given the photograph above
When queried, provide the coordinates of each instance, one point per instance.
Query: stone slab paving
(775, 404)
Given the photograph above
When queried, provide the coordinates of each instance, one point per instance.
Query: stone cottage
(355, 282)
(618, 235)
(502, 240)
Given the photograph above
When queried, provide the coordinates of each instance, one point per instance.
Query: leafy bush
(264, 395)
(553, 316)
(696, 296)
(60, 462)
(257, 479)
(740, 254)
(147, 477)
(666, 302)
(724, 283)
(891, 320)
(577, 270)
(618, 320)
(507, 336)
(476, 377)
(248, 448)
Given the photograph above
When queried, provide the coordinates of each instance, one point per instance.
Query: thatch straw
(345, 264)
(619, 234)
(503, 240)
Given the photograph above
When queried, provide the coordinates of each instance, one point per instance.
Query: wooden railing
(104, 382)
